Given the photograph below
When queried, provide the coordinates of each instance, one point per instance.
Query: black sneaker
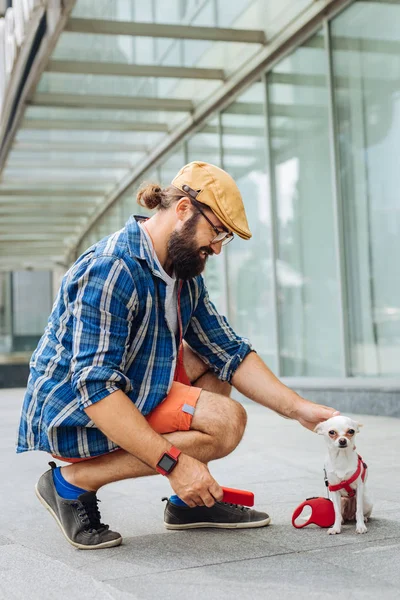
(79, 520)
(222, 515)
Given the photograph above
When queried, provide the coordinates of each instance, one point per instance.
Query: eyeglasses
(223, 237)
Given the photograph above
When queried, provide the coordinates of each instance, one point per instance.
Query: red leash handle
(298, 512)
(322, 512)
(238, 496)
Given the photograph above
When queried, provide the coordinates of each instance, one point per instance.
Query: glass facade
(26, 298)
(366, 67)
(313, 145)
(205, 146)
(307, 278)
(249, 263)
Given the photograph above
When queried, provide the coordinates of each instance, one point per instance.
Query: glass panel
(123, 10)
(129, 205)
(171, 166)
(60, 173)
(92, 114)
(31, 306)
(204, 146)
(109, 222)
(97, 137)
(249, 262)
(75, 159)
(308, 295)
(366, 63)
(5, 313)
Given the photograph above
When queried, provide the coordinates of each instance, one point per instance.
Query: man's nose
(216, 248)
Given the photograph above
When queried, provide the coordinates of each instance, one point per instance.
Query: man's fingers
(332, 410)
(216, 491)
(189, 501)
(193, 500)
(208, 500)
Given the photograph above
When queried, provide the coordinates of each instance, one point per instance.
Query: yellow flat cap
(218, 191)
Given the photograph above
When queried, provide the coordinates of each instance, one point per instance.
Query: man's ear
(320, 429)
(183, 209)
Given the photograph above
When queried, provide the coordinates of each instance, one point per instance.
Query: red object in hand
(238, 496)
(322, 512)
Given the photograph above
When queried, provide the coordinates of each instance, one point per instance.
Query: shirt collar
(139, 245)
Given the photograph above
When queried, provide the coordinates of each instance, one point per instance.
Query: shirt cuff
(228, 370)
(92, 384)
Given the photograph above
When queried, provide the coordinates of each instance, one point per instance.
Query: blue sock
(64, 489)
(177, 501)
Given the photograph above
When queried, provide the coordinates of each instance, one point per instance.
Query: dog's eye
(332, 432)
(351, 431)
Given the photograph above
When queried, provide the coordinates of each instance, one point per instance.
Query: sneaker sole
(250, 525)
(109, 544)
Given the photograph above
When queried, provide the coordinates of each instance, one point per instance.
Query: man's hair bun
(150, 195)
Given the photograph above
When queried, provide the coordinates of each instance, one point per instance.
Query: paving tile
(287, 577)
(277, 459)
(28, 574)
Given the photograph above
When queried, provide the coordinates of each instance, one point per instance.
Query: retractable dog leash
(322, 510)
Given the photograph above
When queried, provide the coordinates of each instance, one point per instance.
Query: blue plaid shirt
(107, 332)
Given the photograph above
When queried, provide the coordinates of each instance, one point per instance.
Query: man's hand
(309, 414)
(192, 482)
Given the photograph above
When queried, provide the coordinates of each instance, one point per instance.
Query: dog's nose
(342, 442)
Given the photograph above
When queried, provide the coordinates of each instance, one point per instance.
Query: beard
(184, 253)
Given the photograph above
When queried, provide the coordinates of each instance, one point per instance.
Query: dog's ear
(320, 428)
(356, 425)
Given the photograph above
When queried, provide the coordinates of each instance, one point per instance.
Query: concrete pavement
(277, 459)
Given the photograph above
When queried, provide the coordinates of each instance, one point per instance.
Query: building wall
(314, 148)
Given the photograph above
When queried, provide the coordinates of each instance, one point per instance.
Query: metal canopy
(113, 102)
(111, 88)
(105, 68)
(157, 30)
(94, 106)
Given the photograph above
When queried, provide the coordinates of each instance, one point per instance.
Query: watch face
(167, 462)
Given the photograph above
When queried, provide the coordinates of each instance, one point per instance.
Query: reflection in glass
(204, 146)
(366, 62)
(307, 284)
(5, 313)
(249, 262)
(31, 306)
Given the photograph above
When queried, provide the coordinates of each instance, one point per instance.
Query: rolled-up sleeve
(213, 339)
(103, 303)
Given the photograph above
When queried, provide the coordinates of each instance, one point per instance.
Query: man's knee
(222, 418)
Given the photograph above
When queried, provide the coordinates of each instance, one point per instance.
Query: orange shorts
(175, 413)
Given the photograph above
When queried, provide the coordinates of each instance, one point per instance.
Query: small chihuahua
(346, 473)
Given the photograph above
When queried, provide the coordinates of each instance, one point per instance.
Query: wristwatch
(168, 461)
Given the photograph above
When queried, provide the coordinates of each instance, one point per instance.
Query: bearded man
(134, 371)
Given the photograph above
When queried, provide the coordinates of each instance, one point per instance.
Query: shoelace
(89, 512)
(238, 506)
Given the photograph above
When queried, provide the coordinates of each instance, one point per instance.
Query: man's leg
(217, 427)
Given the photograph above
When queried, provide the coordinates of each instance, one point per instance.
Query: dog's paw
(334, 530)
(361, 528)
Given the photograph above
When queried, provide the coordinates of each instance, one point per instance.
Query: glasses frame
(227, 236)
